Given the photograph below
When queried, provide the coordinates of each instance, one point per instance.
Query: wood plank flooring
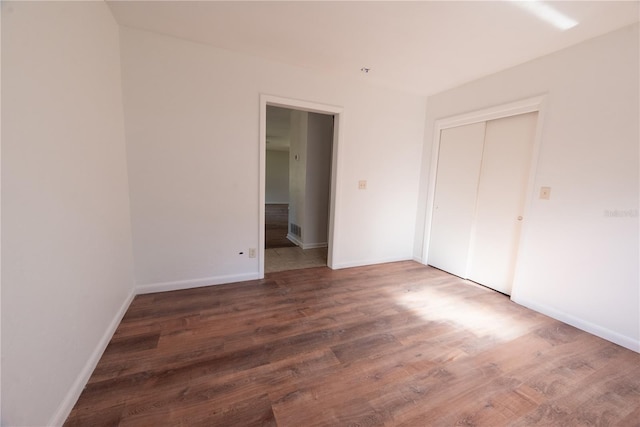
(398, 344)
(276, 226)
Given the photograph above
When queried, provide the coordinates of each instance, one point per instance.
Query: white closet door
(457, 177)
(499, 214)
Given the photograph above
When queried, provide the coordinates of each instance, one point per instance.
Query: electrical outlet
(252, 252)
(362, 185)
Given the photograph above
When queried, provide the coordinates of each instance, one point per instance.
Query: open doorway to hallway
(297, 188)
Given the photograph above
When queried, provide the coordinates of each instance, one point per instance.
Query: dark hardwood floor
(276, 222)
(397, 344)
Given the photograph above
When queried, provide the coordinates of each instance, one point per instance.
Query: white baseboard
(361, 263)
(592, 328)
(195, 283)
(72, 396)
(74, 392)
(306, 246)
(293, 239)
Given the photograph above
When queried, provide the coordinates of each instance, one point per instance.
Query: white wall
(577, 264)
(277, 177)
(186, 103)
(1, 418)
(310, 177)
(67, 257)
(318, 161)
(297, 170)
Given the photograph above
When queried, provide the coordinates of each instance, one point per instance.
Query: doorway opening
(298, 169)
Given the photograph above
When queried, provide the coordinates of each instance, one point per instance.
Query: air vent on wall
(295, 230)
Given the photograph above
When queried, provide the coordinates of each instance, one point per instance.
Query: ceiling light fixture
(547, 13)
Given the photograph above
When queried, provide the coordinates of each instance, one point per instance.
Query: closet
(481, 180)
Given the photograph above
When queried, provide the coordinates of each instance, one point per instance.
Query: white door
(457, 177)
(506, 160)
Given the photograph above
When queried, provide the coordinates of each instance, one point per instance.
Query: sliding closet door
(457, 177)
(506, 161)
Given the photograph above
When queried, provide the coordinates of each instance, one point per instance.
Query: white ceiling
(421, 47)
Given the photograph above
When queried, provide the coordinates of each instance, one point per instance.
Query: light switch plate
(545, 193)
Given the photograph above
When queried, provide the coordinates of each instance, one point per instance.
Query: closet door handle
(519, 218)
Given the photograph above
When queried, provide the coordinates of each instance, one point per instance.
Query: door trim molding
(528, 105)
(501, 111)
(334, 196)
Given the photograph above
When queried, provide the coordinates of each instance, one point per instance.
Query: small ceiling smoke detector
(365, 70)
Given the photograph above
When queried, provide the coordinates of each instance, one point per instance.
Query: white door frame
(528, 105)
(338, 125)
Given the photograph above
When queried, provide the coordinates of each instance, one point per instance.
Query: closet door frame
(529, 105)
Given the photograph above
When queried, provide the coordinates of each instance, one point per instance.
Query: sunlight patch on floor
(435, 305)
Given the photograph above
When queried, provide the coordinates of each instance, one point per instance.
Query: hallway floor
(281, 259)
